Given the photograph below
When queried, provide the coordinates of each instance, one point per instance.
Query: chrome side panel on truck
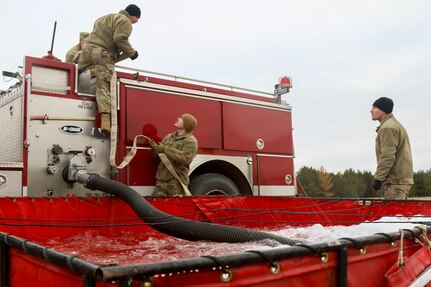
(11, 145)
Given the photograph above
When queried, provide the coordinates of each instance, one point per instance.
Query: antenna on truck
(50, 55)
(53, 38)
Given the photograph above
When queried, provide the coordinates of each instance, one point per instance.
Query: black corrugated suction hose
(176, 226)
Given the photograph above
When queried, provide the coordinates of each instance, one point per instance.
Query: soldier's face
(134, 19)
(179, 124)
(377, 114)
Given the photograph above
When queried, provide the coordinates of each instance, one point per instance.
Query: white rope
(424, 235)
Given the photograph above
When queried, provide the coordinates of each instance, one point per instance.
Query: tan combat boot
(105, 123)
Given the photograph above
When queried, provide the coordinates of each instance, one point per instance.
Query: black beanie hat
(133, 10)
(384, 104)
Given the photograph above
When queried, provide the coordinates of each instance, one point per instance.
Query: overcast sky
(341, 54)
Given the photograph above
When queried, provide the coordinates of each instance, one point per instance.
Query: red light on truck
(283, 87)
(285, 82)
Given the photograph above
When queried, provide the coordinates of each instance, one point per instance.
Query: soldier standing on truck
(72, 56)
(107, 44)
(180, 147)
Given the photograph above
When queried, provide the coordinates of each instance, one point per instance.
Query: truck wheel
(213, 184)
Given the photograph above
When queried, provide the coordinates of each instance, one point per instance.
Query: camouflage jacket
(72, 53)
(180, 150)
(112, 32)
(393, 152)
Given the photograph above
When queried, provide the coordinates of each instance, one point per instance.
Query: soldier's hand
(153, 145)
(160, 148)
(134, 55)
(377, 184)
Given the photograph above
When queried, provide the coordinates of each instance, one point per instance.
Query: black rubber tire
(213, 184)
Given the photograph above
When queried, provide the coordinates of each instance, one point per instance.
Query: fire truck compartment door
(154, 113)
(250, 128)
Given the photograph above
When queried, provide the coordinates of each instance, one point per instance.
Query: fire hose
(172, 225)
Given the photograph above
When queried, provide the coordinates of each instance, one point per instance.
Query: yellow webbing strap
(114, 130)
(171, 169)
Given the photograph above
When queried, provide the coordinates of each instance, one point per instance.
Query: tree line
(354, 183)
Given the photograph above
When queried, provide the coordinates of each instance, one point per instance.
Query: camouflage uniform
(180, 150)
(394, 159)
(109, 38)
(72, 52)
(72, 56)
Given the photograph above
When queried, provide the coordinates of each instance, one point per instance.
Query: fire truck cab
(49, 121)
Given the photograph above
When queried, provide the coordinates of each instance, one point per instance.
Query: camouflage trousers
(100, 62)
(396, 191)
(168, 188)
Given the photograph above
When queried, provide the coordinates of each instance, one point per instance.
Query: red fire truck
(49, 121)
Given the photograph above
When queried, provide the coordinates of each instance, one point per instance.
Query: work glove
(377, 184)
(158, 148)
(134, 55)
(153, 145)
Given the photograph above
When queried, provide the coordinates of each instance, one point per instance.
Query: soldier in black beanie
(133, 10)
(384, 104)
(394, 157)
